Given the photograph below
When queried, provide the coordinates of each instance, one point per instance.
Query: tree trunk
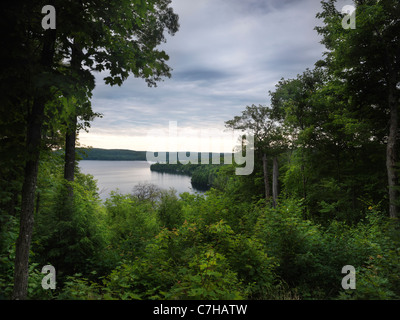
(70, 137)
(69, 165)
(391, 153)
(266, 179)
(33, 144)
(69, 161)
(304, 180)
(275, 176)
(28, 199)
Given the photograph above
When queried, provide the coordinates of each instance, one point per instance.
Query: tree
(94, 35)
(33, 143)
(367, 60)
(127, 41)
(146, 192)
(268, 140)
(291, 105)
(334, 159)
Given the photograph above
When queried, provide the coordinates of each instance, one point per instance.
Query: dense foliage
(202, 175)
(155, 244)
(329, 135)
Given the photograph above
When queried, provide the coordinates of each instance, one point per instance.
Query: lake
(124, 175)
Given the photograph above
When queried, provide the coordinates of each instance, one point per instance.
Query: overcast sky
(226, 55)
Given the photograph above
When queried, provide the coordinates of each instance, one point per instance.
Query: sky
(226, 55)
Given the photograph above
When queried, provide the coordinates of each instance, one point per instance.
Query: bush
(311, 257)
(131, 223)
(8, 237)
(169, 210)
(68, 234)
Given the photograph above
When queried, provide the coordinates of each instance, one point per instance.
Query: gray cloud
(226, 55)
(201, 75)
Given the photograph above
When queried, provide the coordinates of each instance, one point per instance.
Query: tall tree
(268, 140)
(118, 37)
(333, 158)
(367, 60)
(137, 29)
(291, 106)
(33, 144)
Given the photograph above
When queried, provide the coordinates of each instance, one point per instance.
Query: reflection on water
(124, 175)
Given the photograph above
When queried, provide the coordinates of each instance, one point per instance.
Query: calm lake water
(124, 175)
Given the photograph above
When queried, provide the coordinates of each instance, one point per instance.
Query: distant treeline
(111, 154)
(124, 155)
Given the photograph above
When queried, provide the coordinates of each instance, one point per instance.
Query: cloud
(226, 55)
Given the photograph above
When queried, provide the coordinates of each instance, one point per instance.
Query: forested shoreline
(202, 175)
(324, 192)
(110, 154)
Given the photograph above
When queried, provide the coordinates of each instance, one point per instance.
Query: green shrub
(311, 257)
(207, 276)
(169, 210)
(130, 223)
(67, 232)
